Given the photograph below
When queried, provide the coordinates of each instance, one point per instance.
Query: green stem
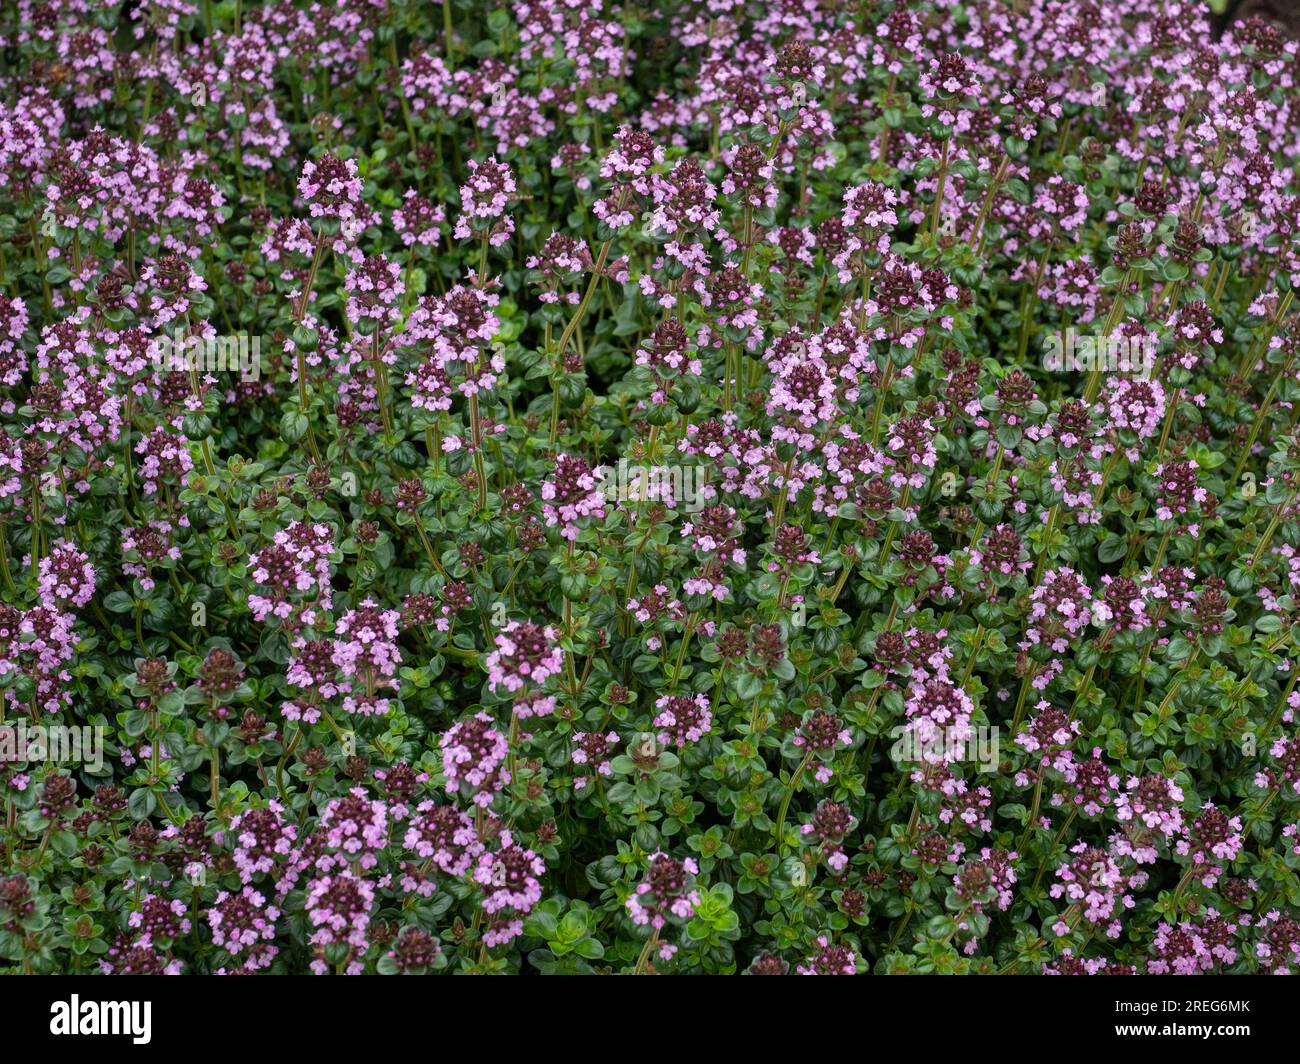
(789, 793)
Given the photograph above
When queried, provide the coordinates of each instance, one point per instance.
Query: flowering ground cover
(702, 487)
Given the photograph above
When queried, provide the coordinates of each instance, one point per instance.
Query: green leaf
(142, 803)
(293, 426)
(1112, 549)
(119, 602)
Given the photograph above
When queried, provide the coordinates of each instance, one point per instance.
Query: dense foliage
(696, 487)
